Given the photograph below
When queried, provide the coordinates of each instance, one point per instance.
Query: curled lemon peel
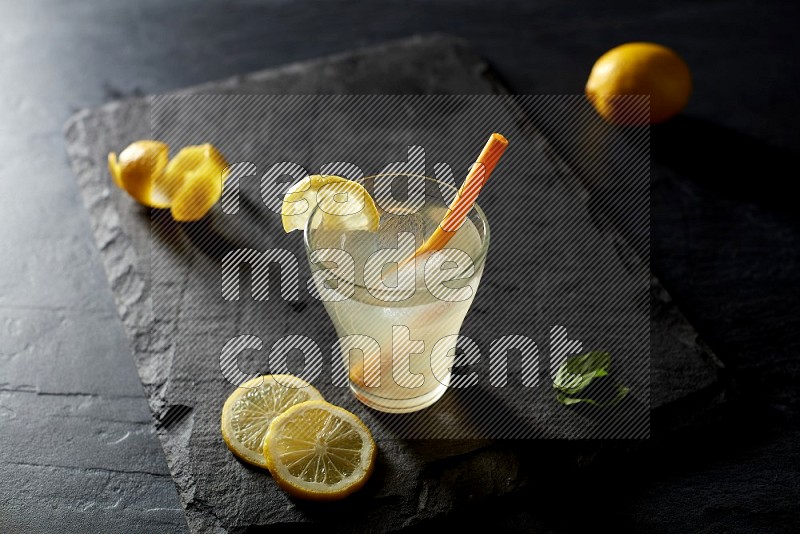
(137, 167)
(189, 184)
(194, 179)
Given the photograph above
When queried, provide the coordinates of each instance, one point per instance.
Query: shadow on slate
(415, 480)
(724, 161)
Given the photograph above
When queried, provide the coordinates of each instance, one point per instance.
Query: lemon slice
(250, 409)
(343, 204)
(318, 451)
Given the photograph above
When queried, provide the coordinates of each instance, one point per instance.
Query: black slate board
(413, 482)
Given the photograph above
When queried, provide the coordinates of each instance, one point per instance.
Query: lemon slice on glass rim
(250, 409)
(344, 204)
(318, 451)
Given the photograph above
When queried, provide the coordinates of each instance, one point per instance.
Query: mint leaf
(577, 372)
(622, 391)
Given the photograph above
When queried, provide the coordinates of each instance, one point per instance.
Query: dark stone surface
(730, 260)
(415, 481)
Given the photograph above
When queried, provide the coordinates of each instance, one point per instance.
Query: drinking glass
(398, 322)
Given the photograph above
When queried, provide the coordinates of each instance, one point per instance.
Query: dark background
(77, 452)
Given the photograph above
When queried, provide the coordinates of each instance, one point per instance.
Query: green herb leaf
(578, 371)
(622, 391)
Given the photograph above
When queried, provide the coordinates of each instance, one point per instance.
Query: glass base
(383, 404)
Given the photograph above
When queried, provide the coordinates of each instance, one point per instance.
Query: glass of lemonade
(397, 321)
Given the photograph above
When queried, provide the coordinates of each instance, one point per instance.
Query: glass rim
(477, 262)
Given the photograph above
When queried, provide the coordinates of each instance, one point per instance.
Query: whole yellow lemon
(639, 69)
